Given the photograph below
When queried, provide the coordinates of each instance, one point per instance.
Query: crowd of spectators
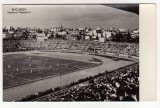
(120, 85)
(131, 49)
(11, 45)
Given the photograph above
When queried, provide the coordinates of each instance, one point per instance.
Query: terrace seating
(109, 47)
(121, 85)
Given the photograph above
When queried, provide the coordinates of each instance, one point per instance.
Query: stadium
(39, 68)
(72, 64)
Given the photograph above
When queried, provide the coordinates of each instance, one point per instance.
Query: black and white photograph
(70, 52)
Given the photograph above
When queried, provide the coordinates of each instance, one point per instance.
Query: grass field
(22, 68)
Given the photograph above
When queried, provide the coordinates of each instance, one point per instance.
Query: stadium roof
(134, 8)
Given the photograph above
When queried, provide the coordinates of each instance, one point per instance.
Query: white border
(74, 1)
(155, 104)
(147, 49)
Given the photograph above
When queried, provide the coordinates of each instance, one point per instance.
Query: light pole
(79, 74)
(60, 80)
(70, 75)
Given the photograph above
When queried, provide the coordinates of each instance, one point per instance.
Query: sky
(70, 16)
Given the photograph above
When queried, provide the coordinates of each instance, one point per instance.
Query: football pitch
(23, 68)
